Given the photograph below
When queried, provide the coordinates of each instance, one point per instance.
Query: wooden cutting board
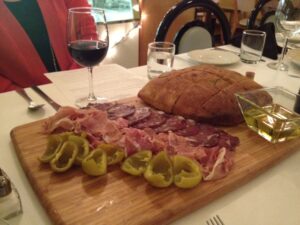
(118, 198)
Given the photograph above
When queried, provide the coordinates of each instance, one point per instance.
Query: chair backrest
(195, 34)
(268, 17)
(254, 14)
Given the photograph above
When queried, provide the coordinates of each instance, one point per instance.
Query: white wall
(126, 52)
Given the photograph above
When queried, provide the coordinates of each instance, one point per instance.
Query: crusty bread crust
(202, 92)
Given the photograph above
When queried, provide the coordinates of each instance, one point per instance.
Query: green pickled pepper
(65, 135)
(187, 172)
(115, 154)
(95, 164)
(54, 143)
(65, 157)
(159, 172)
(136, 163)
(82, 145)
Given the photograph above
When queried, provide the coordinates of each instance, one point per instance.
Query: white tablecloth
(272, 198)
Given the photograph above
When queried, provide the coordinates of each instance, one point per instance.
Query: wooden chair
(230, 8)
(245, 8)
(194, 34)
(259, 11)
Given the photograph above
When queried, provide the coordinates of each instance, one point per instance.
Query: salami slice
(211, 140)
(191, 129)
(209, 136)
(120, 111)
(228, 141)
(155, 119)
(139, 115)
(173, 123)
(101, 106)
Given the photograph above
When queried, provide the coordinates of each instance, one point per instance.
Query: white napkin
(110, 81)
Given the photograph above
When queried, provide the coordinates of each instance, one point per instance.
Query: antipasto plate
(74, 197)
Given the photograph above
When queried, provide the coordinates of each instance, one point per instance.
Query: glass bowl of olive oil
(273, 113)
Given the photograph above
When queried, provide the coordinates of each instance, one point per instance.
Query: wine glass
(88, 44)
(287, 22)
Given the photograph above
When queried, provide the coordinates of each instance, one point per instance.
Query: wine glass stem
(91, 96)
(285, 41)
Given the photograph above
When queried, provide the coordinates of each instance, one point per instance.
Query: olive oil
(273, 122)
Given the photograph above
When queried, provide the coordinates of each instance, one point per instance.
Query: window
(118, 10)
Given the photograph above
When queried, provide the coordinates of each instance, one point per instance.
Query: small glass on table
(160, 58)
(87, 44)
(252, 46)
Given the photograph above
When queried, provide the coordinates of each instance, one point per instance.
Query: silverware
(294, 75)
(226, 50)
(55, 105)
(32, 105)
(215, 220)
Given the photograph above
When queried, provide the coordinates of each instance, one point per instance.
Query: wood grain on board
(117, 198)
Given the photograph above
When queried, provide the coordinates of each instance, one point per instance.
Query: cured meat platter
(118, 198)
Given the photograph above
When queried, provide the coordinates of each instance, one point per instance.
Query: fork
(215, 220)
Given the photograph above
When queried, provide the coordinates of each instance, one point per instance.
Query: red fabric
(20, 64)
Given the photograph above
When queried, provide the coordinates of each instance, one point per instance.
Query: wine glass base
(85, 101)
(276, 66)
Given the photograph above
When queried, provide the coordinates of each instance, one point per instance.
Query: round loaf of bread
(204, 93)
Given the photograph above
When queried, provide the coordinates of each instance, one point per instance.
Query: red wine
(88, 53)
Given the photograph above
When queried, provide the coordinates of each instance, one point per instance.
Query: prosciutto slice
(93, 122)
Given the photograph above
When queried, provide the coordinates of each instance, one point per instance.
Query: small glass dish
(273, 113)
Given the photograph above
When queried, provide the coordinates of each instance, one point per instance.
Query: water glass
(252, 46)
(160, 58)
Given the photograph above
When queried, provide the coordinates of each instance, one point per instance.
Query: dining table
(273, 197)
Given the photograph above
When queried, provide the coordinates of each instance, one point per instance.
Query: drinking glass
(88, 44)
(252, 46)
(160, 58)
(287, 22)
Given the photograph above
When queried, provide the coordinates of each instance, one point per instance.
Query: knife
(54, 104)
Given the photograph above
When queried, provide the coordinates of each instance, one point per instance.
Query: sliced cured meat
(173, 123)
(146, 128)
(120, 111)
(211, 137)
(228, 141)
(101, 106)
(139, 115)
(206, 135)
(155, 119)
(180, 145)
(191, 129)
(217, 163)
(135, 140)
(63, 114)
(212, 140)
